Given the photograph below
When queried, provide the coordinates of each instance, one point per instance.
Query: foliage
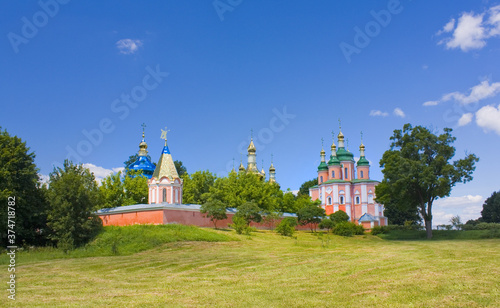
(339, 216)
(345, 228)
(181, 169)
(286, 227)
(19, 180)
(215, 210)
(112, 191)
(270, 218)
(288, 203)
(417, 170)
(456, 222)
(249, 211)
(376, 230)
(327, 224)
(239, 188)
(135, 188)
(304, 188)
(311, 214)
(73, 195)
(491, 208)
(398, 211)
(240, 225)
(196, 186)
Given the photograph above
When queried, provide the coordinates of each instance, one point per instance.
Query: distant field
(267, 270)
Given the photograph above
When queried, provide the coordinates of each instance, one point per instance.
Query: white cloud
(488, 117)
(100, 172)
(472, 30)
(479, 92)
(431, 103)
(465, 119)
(399, 113)
(467, 207)
(128, 46)
(378, 113)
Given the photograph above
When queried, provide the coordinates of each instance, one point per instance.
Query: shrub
(327, 224)
(240, 225)
(358, 229)
(287, 226)
(377, 230)
(343, 229)
(339, 216)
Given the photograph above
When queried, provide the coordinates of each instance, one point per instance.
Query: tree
(250, 212)
(181, 170)
(196, 186)
(215, 210)
(270, 218)
(311, 214)
(112, 191)
(136, 188)
(491, 208)
(20, 189)
(304, 188)
(286, 227)
(339, 216)
(456, 222)
(417, 168)
(73, 196)
(327, 224)
(287, 204)
(398, 212)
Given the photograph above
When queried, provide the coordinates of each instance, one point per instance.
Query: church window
(321, 179)
(341, 199)
(361, 173)
(329, 200)
(333, 174)
(346, 177)
(357, 199)
(370, 198)
(164, 192)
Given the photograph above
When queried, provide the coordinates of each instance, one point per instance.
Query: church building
(252, 164)
(344, 185)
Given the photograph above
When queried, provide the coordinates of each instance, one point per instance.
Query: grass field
(267, 270)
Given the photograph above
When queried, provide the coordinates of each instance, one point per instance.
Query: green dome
(322, 166)
(344, 155)
(363, 161)
(333, 161)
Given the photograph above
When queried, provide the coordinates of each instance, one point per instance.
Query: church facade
(344, 185)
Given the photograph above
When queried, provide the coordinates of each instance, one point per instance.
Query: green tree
(196, 186)
(456, 222)
(417, 168)
(288, 204)
(181, 169)
(73, 195)
(286, 227)
(327, 224)
(112, 191)
(136, 188)
(250, 212)
(215, 210)
(491, 208)
(339, 216)
(311, 215)
(399, 212)
(270, 218)
(304, 188)
(19, 183)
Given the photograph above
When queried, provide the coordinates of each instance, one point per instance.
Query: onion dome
(143, 163)
(322, 166)
(272, 169)
(362, 160)
(251, 147)
(241, 168)
(333, 157)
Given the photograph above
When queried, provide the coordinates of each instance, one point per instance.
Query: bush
(348, 229)
(287, 226)
(240, 225)
(359, 230)
(327, 224)
(377, 230)
(339, 216)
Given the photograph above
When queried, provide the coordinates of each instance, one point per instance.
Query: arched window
(329, 200)
(333, 174)
(321, 179)
(341, 199)
(361, 173)
(164, 195)
(346, 176)
(357, 199)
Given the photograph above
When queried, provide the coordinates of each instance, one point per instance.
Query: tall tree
(491, 208)
(111, 191)
(304, 188)
(136, 188)
(311, 214)
(19, 180)
(417, 168)
(181, 169)
(196, 186)
(73, 196)
(215, 210)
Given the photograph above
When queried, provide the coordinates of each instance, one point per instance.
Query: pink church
(346, 187)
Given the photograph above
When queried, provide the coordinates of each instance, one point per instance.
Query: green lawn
(267, 270)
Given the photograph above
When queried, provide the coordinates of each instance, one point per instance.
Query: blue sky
(213, 70)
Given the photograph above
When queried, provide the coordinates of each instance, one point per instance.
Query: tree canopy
(73, 196)
(304, 188)
(196, 186)
(417, 170)
(491, 208)
(311, 214)
(215, 210)
(19, 180)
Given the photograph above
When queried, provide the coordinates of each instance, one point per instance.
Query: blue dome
(143, 163)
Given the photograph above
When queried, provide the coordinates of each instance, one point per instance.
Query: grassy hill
(265, 270)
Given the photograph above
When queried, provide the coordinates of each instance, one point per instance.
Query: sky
(80, 77)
